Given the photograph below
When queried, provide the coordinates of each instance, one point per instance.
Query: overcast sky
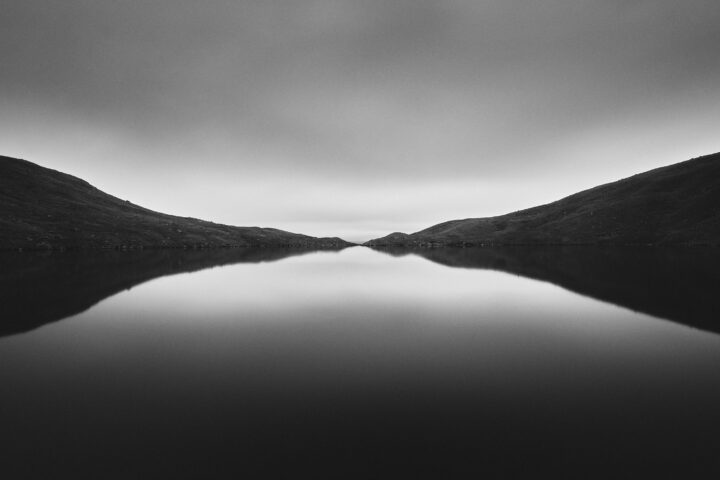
(356, 117)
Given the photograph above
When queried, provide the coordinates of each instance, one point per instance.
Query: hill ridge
(674, 204)
(45, 209)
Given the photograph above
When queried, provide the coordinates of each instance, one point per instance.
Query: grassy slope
(42, 208)
(678, 204)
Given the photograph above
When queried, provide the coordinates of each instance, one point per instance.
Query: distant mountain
(46, 209)
(678, 204)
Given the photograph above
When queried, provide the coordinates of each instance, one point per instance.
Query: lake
(446, 363)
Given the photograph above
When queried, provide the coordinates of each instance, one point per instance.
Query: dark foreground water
(451, 363)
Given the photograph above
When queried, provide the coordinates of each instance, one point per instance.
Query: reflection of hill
(36, 289)
(678, 284)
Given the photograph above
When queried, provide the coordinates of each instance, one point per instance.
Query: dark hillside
(45, 209)
(678, 204)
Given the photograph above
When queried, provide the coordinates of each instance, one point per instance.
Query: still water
(283, 364)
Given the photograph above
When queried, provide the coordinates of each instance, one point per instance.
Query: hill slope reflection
(36, 289)
(677, 284)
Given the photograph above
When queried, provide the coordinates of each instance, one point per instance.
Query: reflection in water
(678, 284)
(39, 288)
(354, 365)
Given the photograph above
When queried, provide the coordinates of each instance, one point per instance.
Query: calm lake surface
(443, 363)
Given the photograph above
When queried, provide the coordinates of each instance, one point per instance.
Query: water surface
(435, 362)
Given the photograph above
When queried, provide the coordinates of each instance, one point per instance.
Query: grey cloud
(180, 62)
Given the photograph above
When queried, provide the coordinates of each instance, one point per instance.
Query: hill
(678, 204)
(46, 209)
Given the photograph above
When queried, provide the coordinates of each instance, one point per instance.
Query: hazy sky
(356, 117)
